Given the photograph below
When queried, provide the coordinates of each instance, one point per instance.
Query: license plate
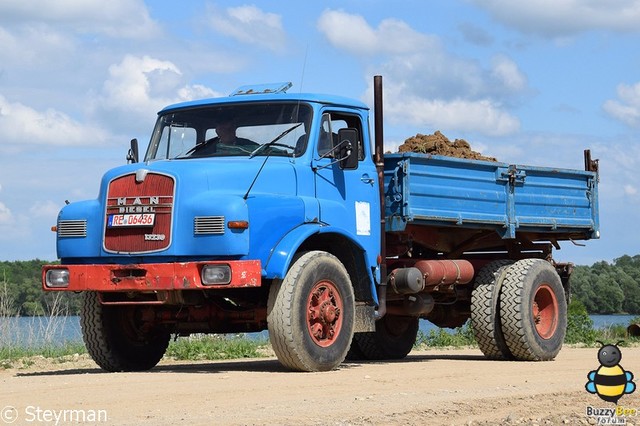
(122, 220)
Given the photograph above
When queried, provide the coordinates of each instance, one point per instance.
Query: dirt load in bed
(439, 144)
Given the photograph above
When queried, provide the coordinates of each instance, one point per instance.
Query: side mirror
(348, 145)
(132, 155)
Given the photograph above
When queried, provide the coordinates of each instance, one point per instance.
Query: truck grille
(139, 213)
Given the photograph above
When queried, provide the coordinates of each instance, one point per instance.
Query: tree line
(21, 292)
(603, 288)
(609, 288)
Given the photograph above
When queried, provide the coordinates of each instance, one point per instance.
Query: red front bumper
(152, 276)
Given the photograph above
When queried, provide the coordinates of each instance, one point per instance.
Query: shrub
(461, 336)
(579, 325)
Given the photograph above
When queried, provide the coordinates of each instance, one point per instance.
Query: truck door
(347, 194)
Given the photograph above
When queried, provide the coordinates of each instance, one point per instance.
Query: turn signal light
(238, 224)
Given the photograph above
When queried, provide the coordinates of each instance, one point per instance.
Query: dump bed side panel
(436, 190)
(554, 199)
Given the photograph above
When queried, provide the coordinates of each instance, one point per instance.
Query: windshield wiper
(273, 142)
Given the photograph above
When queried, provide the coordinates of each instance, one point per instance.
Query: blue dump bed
(433, 190)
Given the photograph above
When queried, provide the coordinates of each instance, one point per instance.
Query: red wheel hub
(324, 309)
(545, 311)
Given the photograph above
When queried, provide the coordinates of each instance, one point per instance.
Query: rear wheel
(533, 310)
(393, 339)
(355, 353)
(485, 310)
(116, 337)
(311, 315)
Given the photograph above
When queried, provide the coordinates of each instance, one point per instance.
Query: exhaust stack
(379, 160)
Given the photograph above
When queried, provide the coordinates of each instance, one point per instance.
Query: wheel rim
(545, 311)
(324, 313)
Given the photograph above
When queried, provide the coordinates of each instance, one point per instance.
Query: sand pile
(439, 144)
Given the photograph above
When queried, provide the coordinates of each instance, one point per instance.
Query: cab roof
(272, 97)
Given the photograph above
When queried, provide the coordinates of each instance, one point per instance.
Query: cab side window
(331, 124)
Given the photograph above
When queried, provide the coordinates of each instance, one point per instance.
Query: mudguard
(281, 256)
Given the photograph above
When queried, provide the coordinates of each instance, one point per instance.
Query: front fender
(281, 256)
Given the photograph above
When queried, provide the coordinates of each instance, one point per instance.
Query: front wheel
(311, 313)
(116, 337)
(533, 310)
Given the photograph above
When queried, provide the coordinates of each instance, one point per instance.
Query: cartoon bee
(610, 381)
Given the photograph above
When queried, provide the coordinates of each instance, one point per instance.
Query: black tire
(485, 310)
(114, 339)
(393, 339)
(533, 310)
(312, 313)
(355, 353)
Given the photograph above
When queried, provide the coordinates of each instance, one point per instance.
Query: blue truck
(277, 211)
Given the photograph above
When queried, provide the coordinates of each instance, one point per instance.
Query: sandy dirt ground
(448, 387)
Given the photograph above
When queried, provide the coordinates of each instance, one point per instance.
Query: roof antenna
(304, 66)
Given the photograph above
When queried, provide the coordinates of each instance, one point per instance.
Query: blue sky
(529, 83)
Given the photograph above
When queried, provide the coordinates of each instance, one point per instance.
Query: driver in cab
(226, 142)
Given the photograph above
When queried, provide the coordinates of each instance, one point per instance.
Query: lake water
(34, 331)
(602, 321)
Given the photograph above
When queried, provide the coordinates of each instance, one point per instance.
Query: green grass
(13, 355)
(463, 337)
(194, 348)
(216, 347)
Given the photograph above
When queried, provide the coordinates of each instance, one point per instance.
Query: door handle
(366, 179)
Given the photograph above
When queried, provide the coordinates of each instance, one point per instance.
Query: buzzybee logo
(610, 381)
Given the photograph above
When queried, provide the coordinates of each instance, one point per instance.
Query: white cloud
(45, 209)
(21, 125)
(561, 18)
(436, 99)
(138, 87)
(506, 72)
(249, 24)
(630, 190)
(133, 82)
(33, 44)
(425, 84)
(5, 215)
(354, 34)
(483, 116)
(114, 18)
(197, 91)
(627, 107)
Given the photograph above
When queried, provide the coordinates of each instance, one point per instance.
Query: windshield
(256, 129)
